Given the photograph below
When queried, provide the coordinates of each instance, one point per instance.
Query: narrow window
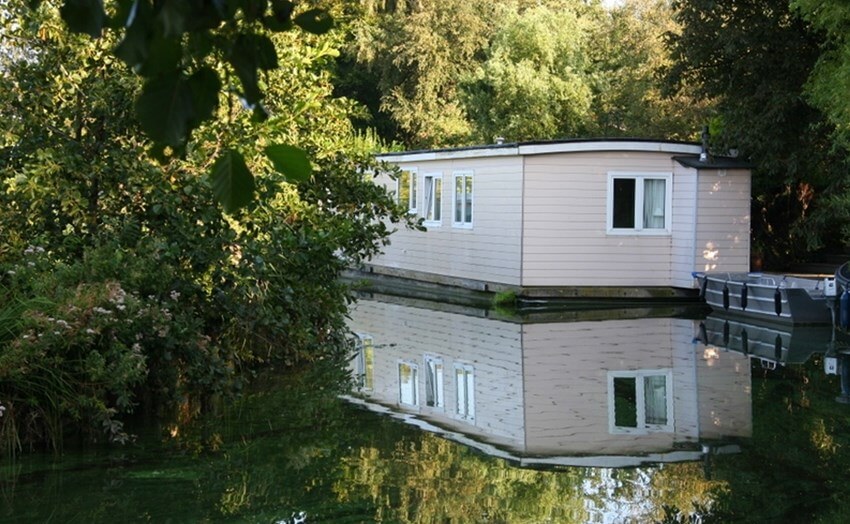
(433, 195)
(408, 384)
(406, 189)
(465, 387)
(365, 363)
(463, 200)
(434, 382)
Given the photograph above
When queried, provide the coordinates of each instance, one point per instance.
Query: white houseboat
(607, 393)
(612, 217)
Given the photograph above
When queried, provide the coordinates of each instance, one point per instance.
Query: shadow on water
(468, 415)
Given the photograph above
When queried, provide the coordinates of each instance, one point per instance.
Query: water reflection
(603, 393)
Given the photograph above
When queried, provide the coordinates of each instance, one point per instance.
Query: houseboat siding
(683, 248)
(723, 221)
(566, 397)
(565, 237)
(489, 251)
(406, 334)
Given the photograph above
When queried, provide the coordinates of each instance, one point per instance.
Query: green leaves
(292, 162)
(232, 182)
(84, 16)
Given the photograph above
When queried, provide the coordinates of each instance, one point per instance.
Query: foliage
(212, 292)
(754, 58)
(534, 82)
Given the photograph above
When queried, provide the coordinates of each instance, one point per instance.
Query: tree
(753, 58)
(122, 281)
(535, 81)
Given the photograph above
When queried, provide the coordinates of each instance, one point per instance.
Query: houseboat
(618, 392)
(571, 218)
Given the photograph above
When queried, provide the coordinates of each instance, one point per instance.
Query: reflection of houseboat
(605, 218)
(771, 344)
(595, 393)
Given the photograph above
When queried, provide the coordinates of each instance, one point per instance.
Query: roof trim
(546, 147)
(713, 162)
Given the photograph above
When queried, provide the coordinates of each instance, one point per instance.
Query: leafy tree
(146, 273)
(534, 83)
(753, 58)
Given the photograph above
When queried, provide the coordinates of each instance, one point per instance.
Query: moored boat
(776, 298)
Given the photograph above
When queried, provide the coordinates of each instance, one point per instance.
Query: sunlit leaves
(232, 182)
(290, 161)
(84, 16)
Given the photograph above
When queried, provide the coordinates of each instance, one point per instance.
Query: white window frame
(639, 178)
(642, 426)
(364, 370)
(431, 200)
(463, 223)
(414, 369)
(435, 389)
(413, 184)
(464, 391)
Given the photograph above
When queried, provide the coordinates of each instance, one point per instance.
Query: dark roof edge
(713, 162)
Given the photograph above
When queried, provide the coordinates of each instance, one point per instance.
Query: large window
(640, 401)
(434, 382)
(465, 388)
(463, 199)
(406, 189)
(433, 196)
(365, 362)
(639, 203)
(408, 384)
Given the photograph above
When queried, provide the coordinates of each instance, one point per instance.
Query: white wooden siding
(490, 250)
(565, 242)
(723, 221)
(682, 261)
(405, 333)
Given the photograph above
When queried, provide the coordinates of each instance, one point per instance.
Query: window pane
(655, 399)
(404, 189)
(625, 402)
(468, 200)
(461, 392)
(438, 199)
(458, 199)
(407, 384)
(654, 202)
(413, 187)
(624, 203)
(434, 384)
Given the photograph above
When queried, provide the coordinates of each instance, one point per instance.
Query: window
(406, 189)
(365, 362)
(465, 382)
(434, 382)
(639, 203)
(408, 384)
(463, 200)
(433, 199)
(640, 401)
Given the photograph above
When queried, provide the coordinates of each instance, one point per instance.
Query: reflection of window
(465, 387)
(365, 363)
(406, 189)
(463, 200)
(434, 382)
(433, 198)
(639, 203)
(640, 401)
(408, 384)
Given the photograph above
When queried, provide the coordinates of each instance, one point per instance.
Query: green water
(291, 451)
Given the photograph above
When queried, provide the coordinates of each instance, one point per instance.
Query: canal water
(458, 414)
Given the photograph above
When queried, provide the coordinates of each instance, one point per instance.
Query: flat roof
(542, 147)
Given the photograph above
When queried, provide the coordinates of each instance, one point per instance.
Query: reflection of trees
(429, 479)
